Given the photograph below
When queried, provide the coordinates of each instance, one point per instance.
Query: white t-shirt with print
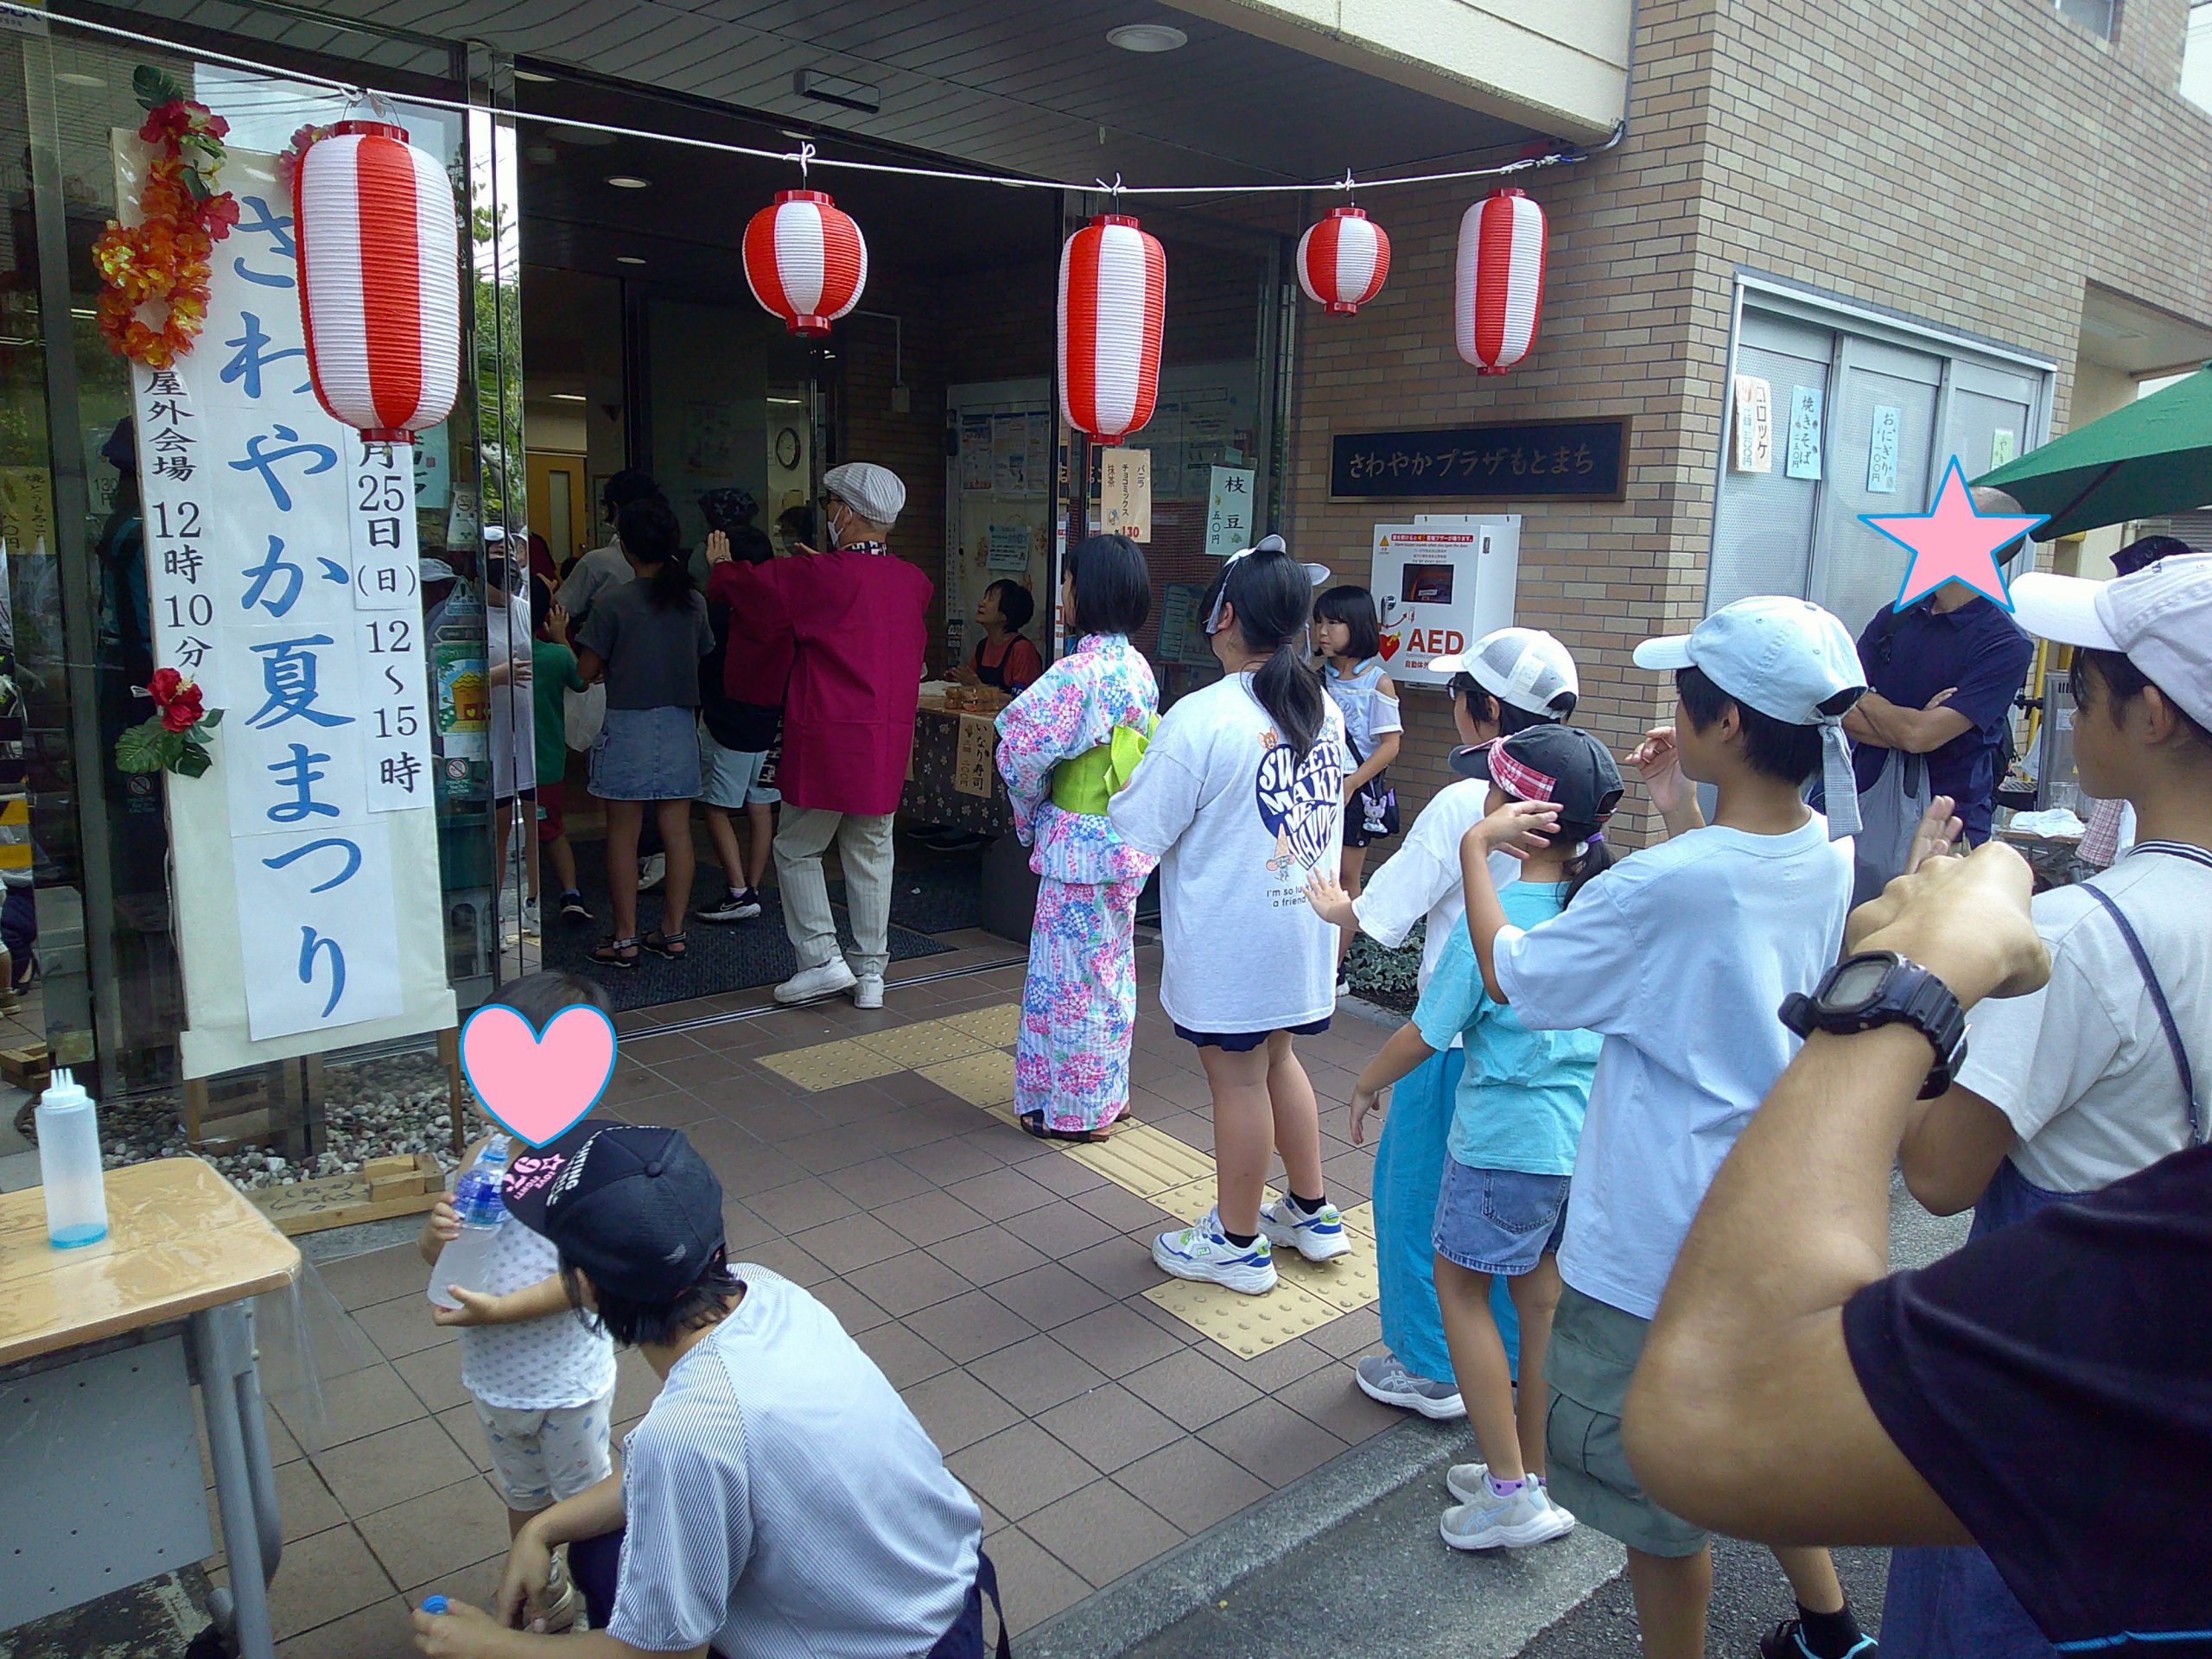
(554, 1361)
(1238, 823)
(2082, 1069)
(1679, 957)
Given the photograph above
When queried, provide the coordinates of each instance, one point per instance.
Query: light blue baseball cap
(1791, 660)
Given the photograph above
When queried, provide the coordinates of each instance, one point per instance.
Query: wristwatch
(1880, 987)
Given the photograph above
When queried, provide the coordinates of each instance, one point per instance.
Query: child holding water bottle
(542, 1376)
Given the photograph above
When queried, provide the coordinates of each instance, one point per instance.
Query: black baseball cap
(636, 1209)
(1563, 764)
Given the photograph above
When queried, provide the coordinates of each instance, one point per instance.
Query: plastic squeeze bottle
(476, 1198)
(69, 1163)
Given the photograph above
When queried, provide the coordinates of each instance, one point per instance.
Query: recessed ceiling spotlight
(76, 77)
(628, 181)
(1146, 37)
(570, 397)
(628, 259)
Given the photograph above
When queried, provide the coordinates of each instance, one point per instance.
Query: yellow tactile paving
(828, 1065)
(921, 1044)
(1145, 1160)
(1347, 1284)
(984, 1079)
(1247, 1326)
(998, 1026)
(1360, 1219)
(1193, 1198)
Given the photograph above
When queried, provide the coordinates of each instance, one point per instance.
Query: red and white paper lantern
(1113, 301)
(806, 260)
(379, 280)
(1501, 280)
(1342, 260)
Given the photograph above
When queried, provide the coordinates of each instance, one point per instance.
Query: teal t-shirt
(1522, 1094)
(552, 673)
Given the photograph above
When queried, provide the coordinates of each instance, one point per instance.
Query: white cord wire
(803, 158)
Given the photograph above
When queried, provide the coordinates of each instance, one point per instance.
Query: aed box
(1439, 584)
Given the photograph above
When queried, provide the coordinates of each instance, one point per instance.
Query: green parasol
(2151, 458)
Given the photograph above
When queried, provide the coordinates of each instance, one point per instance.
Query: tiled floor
(1000, 1284)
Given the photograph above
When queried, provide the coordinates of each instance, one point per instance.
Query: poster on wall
(1125, 494)
(975, 452)
(1229, 510)
(1803, 459)
(1009, 547)
(283, 576)
(2003, 444)
(1754, 424)
(1883, 439)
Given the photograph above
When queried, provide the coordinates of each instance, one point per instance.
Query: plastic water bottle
(476, 1197)
(69, 1163)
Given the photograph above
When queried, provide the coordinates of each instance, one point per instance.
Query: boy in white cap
(837, 638)
(1678, 957)
(2108, 1068)
(1508, 681)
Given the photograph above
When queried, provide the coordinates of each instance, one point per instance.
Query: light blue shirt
(1679, 956)
(782, 1503)
(1521, 1098)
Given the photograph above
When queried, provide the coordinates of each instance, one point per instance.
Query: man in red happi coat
(837, 638)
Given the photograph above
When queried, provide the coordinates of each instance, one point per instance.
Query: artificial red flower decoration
(176, 739)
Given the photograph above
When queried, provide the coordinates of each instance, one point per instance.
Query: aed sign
(1440, 584)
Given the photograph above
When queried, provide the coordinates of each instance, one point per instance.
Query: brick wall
(1973, 163)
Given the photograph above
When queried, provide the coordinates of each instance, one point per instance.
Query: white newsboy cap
(872, 491)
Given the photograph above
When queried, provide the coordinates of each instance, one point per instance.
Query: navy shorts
(1243, 1042)
(1498, 1220)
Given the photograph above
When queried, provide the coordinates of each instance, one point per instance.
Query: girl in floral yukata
(1065, 745)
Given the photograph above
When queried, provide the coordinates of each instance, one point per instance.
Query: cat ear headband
(1315, 574)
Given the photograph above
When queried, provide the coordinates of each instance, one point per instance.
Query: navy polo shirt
(1978, 649)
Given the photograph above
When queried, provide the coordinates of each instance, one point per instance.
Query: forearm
(1399, 1056)
(1386, 752)
(497, 1643)
(590, 1514)
(429, 1245)
(1485, 910)
(547, 1296)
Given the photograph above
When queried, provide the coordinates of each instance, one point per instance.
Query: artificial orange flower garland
(165, 260)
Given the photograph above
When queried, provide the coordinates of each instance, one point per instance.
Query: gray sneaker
(1382, 1378)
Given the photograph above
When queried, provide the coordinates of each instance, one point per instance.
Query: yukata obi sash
(1087, 781)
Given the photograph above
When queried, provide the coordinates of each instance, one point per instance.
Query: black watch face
(1856, 984)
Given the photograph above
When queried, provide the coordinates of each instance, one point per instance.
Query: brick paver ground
(997, 1280)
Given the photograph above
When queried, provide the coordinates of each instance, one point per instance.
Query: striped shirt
(781, 1500)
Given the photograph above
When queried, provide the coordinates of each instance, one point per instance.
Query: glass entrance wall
(85, 847)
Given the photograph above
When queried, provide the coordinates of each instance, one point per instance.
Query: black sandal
(673, 946)
(1033, 1124)
(616, 953)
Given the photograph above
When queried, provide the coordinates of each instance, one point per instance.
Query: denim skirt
(646, 754)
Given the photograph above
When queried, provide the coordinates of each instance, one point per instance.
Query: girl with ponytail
(1241, 797)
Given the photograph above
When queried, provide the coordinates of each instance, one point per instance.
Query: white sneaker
(867, 991)
(1464, 1482)
(651, 870)
(1490, 1521)
(1205, 1254)
(733, 906)
(1384, 1377)
(1318, 1238)
(532, 928)
(812, 984)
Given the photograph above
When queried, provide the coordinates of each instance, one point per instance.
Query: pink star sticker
(1951, 542)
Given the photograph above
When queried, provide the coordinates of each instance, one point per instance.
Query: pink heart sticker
(537, 1087)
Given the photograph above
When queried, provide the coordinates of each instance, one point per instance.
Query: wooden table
(100, 1478)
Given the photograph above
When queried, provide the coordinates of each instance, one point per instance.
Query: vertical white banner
(283, 573)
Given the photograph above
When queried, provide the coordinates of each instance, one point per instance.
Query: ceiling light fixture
(628, 181)
(570, 397)
(1146, 37)
(532, 75)
(628, 259)
(78, 78)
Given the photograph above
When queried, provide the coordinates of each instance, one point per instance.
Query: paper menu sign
(1754, 425)
(1229, 510)
(972, 768)
(1125, 494)
(1882, 443)
(1803, 455)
